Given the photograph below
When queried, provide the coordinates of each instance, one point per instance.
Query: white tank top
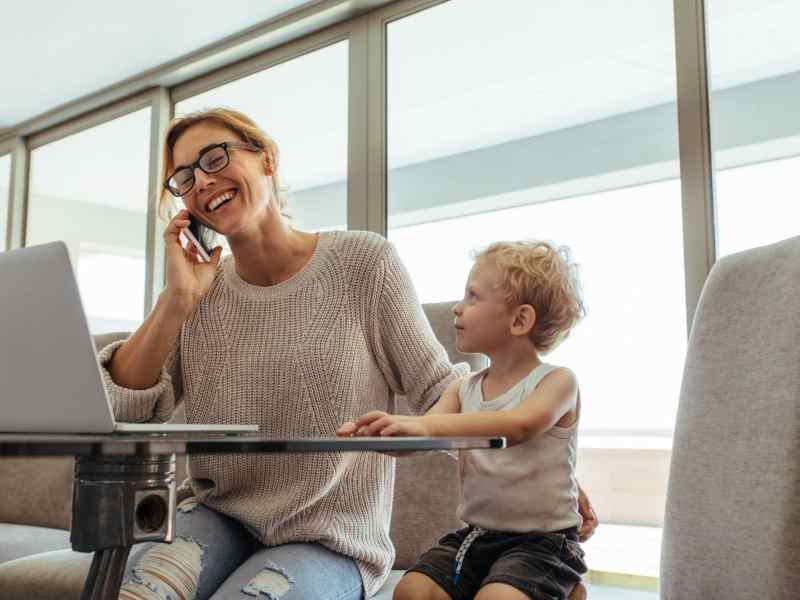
(528, 487)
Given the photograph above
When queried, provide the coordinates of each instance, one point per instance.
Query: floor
(602, 592)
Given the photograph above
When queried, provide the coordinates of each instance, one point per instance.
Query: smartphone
(201, 237)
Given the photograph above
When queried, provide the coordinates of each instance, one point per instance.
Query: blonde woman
(294, 331)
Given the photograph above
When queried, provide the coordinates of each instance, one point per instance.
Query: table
(124, 483)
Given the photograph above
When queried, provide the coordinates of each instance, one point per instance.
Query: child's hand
(346, 430)
(378, 423)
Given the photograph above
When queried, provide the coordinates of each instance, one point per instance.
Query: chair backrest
(732, 523)
(426, 486)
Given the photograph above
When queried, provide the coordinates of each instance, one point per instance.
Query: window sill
(625, 442)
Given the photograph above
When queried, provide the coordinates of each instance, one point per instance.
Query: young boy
(521, 503)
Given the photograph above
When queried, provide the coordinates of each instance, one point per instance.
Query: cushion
(22, 540)
(60, 574)
(425, 501)
(36, 491)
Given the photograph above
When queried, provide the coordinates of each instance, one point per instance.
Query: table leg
(118, 502)
(105, 574)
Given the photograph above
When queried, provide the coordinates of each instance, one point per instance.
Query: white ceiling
(460, 77)
(55, 52)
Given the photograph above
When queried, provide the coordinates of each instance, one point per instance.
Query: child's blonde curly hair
(542, 275)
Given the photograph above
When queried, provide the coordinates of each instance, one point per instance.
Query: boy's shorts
(544, 566)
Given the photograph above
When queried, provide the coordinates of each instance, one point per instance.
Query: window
(111, 282)
(5, 198)
(758, 204)
(754, 64)
(557, 128)
(302, 105)
(90, 190)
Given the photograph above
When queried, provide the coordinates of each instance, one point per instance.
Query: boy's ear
(524, 319)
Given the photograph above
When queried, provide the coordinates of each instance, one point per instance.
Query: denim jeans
(214, 556)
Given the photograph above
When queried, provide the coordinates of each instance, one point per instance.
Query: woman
(298, 332)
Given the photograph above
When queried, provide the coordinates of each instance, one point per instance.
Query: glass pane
(754, 61)
(561, 129)
(90, 190)
(5, 198)
(302, 105)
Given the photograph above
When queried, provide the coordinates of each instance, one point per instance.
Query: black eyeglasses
(211, 160)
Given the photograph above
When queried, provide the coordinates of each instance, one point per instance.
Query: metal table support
(116, 503)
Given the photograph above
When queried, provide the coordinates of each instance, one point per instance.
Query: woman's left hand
(379, 423)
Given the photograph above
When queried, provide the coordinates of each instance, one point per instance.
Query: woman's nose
(202, 179)
(457, 308)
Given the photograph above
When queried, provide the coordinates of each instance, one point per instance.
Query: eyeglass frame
(196, 164)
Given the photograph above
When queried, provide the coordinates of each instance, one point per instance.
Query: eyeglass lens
(212, 161)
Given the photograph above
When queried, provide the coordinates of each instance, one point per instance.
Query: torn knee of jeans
(165, 571)
(272, 582)
(187, 505)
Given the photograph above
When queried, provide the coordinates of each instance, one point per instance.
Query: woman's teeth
(220, 200)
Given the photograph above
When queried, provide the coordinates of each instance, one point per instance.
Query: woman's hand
(378, 423)
(187, 278)
(590, 520)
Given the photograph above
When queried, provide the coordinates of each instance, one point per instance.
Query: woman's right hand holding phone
(187, 277)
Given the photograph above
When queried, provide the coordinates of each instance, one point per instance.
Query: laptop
(50, 380)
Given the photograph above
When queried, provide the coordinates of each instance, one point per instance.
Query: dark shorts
(545, 566)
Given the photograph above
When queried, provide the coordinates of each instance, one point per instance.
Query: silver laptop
(50, 379)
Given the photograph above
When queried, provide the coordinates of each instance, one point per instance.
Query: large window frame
(6, 150)
(363, 23)
(14, 204)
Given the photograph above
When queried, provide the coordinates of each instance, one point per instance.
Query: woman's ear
(267, 167)
(524, 320)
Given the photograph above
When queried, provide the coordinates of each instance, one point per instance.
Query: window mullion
(696, 160)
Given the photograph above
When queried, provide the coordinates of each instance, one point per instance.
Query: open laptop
(50, 379)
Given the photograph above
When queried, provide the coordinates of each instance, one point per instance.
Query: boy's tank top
(528, 487)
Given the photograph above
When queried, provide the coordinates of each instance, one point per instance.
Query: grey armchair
(732, 524)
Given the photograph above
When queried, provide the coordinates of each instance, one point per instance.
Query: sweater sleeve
(155, 404)
(412, 360)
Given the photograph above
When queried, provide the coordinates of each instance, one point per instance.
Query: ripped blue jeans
(215, 557)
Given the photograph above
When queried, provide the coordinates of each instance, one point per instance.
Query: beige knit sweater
(300, 358)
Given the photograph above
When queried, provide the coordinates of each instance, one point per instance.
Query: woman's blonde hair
(544, 276)
(233, 120)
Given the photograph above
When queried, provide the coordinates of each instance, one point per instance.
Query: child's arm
(447, 403)
(552, 399)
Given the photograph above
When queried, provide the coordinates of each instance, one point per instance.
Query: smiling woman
(295, 331)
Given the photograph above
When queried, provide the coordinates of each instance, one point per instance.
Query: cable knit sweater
(300, 358)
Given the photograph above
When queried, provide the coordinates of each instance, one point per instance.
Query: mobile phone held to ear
(200, 237)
